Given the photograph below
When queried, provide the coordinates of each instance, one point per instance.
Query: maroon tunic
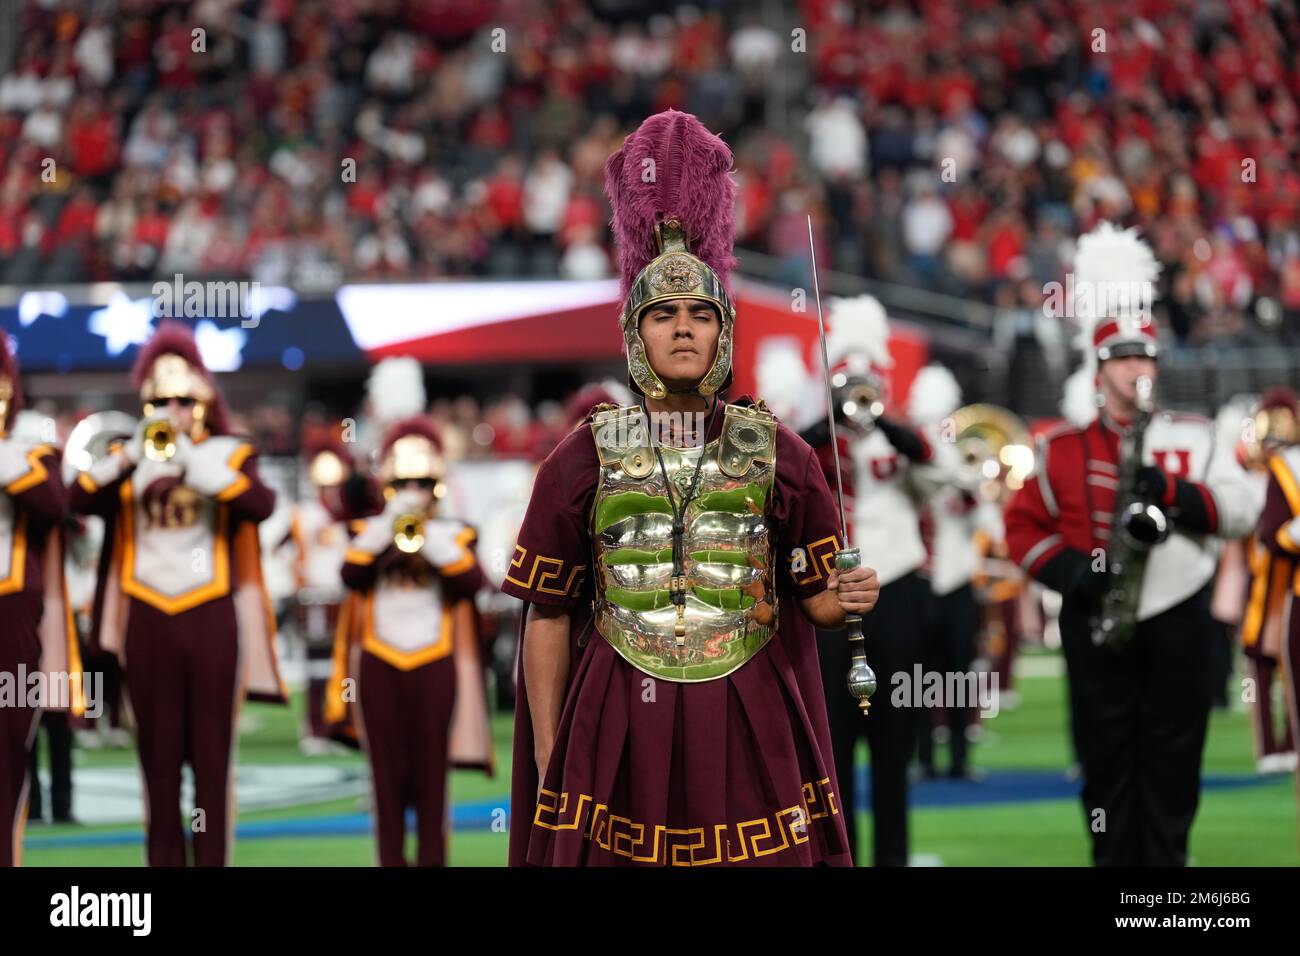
(736, 770)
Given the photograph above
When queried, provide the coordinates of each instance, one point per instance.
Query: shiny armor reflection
(730, 609)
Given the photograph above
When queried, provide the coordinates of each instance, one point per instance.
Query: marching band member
(953, 516)
(1279, 532)
(407, 650)
(180, 597)
(670, 710)
(318, 531)
(888, 468)
(38, 634)
(1140, 701)
(1264, 627)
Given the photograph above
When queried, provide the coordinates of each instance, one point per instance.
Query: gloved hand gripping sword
(861, 678)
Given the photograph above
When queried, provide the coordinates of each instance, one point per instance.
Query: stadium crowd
(957, 145)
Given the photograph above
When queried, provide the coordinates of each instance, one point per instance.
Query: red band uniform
(1139, 714)
(888, 469)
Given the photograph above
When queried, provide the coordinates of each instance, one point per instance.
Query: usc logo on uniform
(169, 504)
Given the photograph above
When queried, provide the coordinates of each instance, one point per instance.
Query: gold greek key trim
(820, 562)
(570, 585)
(687, 846)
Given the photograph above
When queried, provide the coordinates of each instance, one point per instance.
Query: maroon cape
(736, 770)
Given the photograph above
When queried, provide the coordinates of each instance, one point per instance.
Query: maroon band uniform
(181, 600)
(1279, 533)
(38, 634)
(407, 655)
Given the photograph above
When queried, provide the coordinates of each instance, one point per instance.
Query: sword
(861, 678)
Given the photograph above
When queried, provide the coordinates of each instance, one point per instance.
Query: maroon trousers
(406, 721)
(1263, 669)
(182, 672)
(20, 646)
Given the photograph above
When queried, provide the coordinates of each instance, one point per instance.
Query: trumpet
(159, 440)
(99, 432)
(408, 533)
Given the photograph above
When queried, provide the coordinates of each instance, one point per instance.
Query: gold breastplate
(727, 606)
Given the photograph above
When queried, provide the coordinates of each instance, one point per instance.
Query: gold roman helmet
(170, 377)
(673, 200)
(675, 274)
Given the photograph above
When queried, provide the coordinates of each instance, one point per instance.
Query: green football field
(1022, 814)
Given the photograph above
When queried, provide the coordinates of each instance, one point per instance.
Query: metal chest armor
(729, 608)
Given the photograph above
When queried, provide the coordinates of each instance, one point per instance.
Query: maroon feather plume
(692, 182)
(415, 425)
(176, 338)
(9, 369)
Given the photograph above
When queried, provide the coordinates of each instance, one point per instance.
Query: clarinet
(1137, 527)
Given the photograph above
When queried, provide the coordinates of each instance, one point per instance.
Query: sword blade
(830, 399)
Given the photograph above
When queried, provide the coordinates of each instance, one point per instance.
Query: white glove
(109, 468)
(184, 449)
(13, 461)
(377, 535)
(440, 546)
(207, 468)
(134, 447)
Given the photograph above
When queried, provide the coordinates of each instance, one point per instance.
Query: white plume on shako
(858, 334)
(934, 396)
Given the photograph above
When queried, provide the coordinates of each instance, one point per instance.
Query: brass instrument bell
(408, 533)
(994, 445)
(160, 440)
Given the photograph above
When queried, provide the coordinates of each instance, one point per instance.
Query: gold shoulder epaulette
(748, 435)
(622, 436)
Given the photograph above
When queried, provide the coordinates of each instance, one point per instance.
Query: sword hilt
(861, 678)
